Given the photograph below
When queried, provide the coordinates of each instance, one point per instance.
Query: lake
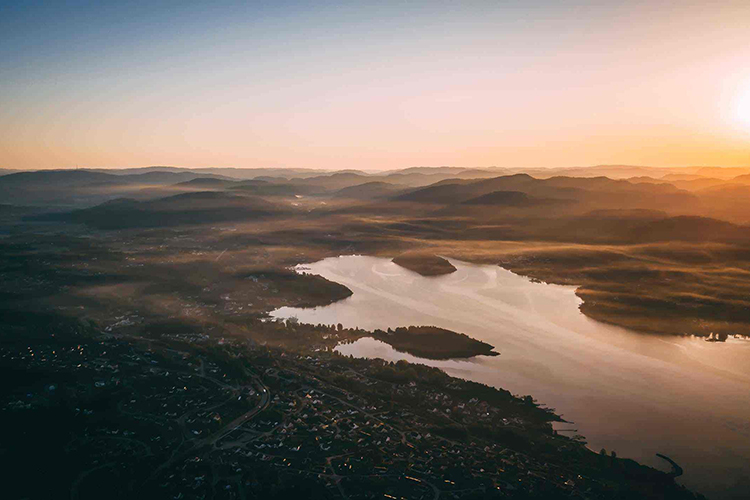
(633, 393)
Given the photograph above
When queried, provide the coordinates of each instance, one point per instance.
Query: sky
(374, 85)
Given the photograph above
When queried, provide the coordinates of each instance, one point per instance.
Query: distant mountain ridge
(600, 190)
(679, 192)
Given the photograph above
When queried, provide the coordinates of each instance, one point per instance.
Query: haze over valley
(375, 250)
(164, 257)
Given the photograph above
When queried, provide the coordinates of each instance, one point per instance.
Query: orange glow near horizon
(482, 84)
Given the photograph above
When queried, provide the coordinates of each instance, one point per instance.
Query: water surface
(632, 393)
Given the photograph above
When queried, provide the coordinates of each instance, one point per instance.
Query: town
(194, 416)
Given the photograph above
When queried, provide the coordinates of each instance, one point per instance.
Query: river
(625, 391)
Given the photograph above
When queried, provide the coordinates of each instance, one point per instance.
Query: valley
(207, 259)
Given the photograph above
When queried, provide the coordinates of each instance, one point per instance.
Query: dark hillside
(688, 228)
(591, 193)
(505, 198)
(183, 209)
(368, 190)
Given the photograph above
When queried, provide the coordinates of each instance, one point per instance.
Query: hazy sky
(374, 85)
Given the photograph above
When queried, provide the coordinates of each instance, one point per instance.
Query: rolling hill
(204, 207)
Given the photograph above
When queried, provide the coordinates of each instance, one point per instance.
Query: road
(265, 400)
